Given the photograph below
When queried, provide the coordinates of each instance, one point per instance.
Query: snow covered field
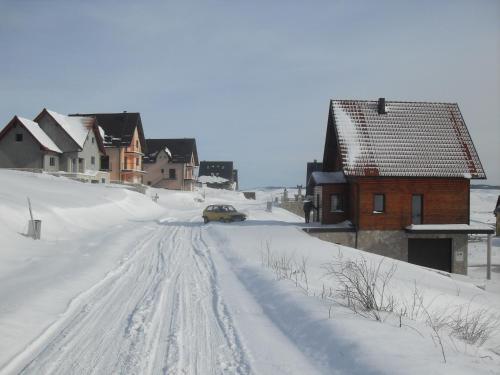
(120, 284)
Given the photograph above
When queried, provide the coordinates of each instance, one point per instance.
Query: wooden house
(124, 143)
(399, 173)
(24, 145)
(170, 163)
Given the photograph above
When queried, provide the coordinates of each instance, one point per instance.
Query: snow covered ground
(120, 284)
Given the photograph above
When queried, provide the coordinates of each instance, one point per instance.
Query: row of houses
(395, 180)
(102, 148)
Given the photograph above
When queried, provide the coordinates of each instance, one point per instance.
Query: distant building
(312, 167)
(170, 163)
(124, 143)
(24, 145)
(81, 143)
(399, 173)
(218, 174)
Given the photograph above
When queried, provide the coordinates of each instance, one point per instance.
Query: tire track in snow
(160, 311)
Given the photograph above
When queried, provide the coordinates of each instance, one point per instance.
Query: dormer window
(19, 137)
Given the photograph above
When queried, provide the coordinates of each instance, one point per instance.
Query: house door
(416, 209)
(430, 252)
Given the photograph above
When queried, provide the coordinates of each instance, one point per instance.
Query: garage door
(433, 253)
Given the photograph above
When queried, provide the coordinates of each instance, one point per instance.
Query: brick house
(399, 173)
(124, 143)
(170, 163)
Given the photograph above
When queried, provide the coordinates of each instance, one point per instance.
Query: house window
(149, 183)
(378, 203)
(92, 159)
(416, 208)
(137, 161)
(19, 137)
(336, 203)
(125, 162)
(136, 143)
(162, 171)
(171, 174)
(93, 140)
(52, 161)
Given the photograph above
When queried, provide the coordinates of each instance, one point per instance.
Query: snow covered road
(161, 311)
(137, 287)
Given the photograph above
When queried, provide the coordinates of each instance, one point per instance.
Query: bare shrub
(473, 327)
(363, 285)
(285, 267)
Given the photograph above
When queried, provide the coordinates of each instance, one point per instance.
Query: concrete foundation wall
(340, 238)
(394, 244)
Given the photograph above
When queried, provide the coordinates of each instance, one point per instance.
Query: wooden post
(488, 258)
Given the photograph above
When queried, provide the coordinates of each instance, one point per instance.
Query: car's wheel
(205, 219)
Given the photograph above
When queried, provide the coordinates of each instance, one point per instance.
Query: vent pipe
(381, 106)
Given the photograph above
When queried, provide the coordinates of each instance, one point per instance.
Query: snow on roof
(212, 180)
(468, 228)
(77, 127)
(328, 177)
(411, 139)
(102, 132)
(168, 152)
(37, 132)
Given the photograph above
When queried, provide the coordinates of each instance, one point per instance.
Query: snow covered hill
(120, 284)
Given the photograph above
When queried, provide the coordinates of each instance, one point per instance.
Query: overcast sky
(251, 80)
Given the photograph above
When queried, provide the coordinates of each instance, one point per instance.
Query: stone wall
(296, 207)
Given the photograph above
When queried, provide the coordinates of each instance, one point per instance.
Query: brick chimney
(381, 106)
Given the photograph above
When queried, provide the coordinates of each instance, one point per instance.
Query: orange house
(125, 145)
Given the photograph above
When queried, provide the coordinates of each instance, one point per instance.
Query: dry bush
(473, 327)
(363, 285)
(286, 267)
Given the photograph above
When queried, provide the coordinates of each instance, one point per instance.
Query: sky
(251, 80)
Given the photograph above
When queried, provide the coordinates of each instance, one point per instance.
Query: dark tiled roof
(119, 127)
(181, 149)
(312, 167)
(417, 139)
(222, 169)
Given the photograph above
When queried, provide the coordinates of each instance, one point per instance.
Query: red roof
(415, 139)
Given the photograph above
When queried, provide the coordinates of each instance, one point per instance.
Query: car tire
(205, 219)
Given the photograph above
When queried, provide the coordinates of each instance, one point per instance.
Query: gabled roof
(418, 139)
(76, 127)
(119, 127)
(181, 149)
(36, 131)
(222, 169)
